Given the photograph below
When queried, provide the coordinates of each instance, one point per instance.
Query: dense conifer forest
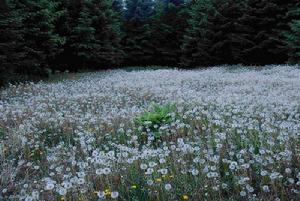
(40, 37)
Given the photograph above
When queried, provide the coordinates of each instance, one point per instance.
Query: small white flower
(99, 172)
(288, 171)
(149, 171)
(152, 164)
(150, 182)
(224, 186)
(274, 175)
(80, 181)
(143, 166)
(266, 188)
(233, 165)
(291, 180)
(163, 171)
(106, 171)
(168, 187)
(249, 188)
(263, 173)
(195, 172)
(49, 186)
(101, 194)
(243, 193)
(114, 194)
(62, 191)
(29, 198)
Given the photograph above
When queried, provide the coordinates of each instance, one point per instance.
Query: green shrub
(150, 121)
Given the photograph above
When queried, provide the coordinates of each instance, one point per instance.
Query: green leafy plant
(150, 121)
(2, 134)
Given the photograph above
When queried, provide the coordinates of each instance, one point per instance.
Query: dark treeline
(38, 37)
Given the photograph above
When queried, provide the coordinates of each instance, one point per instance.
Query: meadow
(223, 133)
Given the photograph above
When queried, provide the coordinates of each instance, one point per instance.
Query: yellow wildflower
(185, 197)
(107, 192)
(158, 180)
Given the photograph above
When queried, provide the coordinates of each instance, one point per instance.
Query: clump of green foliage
(150, 121)
(2, 135)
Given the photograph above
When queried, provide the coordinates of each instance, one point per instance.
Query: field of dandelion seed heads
(159, 135)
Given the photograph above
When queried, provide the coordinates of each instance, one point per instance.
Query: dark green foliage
(137, 38)
(232, 32)
(260, 20)
(93, 40)
(84, 43)
(293, 35)
(41, 41)
(139, 10)
(10, 45)
(69, 34)
(227, 36)
(28, 41)
(137, 43)
(118, 5)
(174, 2)
(167, 27)
(198, 36)
(153, 37)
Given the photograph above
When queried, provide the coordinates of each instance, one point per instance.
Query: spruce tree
(293, 35)
(27, 39)
(10, 44)
(167, 27)
(93, 35)
(41, 43)
(283, 20)
(259, 22)
(83, 41)
(65, 27)
(197, 39)
(227, 36)
(136, 41)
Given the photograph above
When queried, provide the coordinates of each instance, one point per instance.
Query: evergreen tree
(167, 27)
(83, 41)
(282, 26)
(198, 39)
(27, 40)
(108, 34)
(136, 41)
(93, 35)
(41, 42)
(227, 36)
(293, 35)
(260, 21)
(8, 43)
(65, 26)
